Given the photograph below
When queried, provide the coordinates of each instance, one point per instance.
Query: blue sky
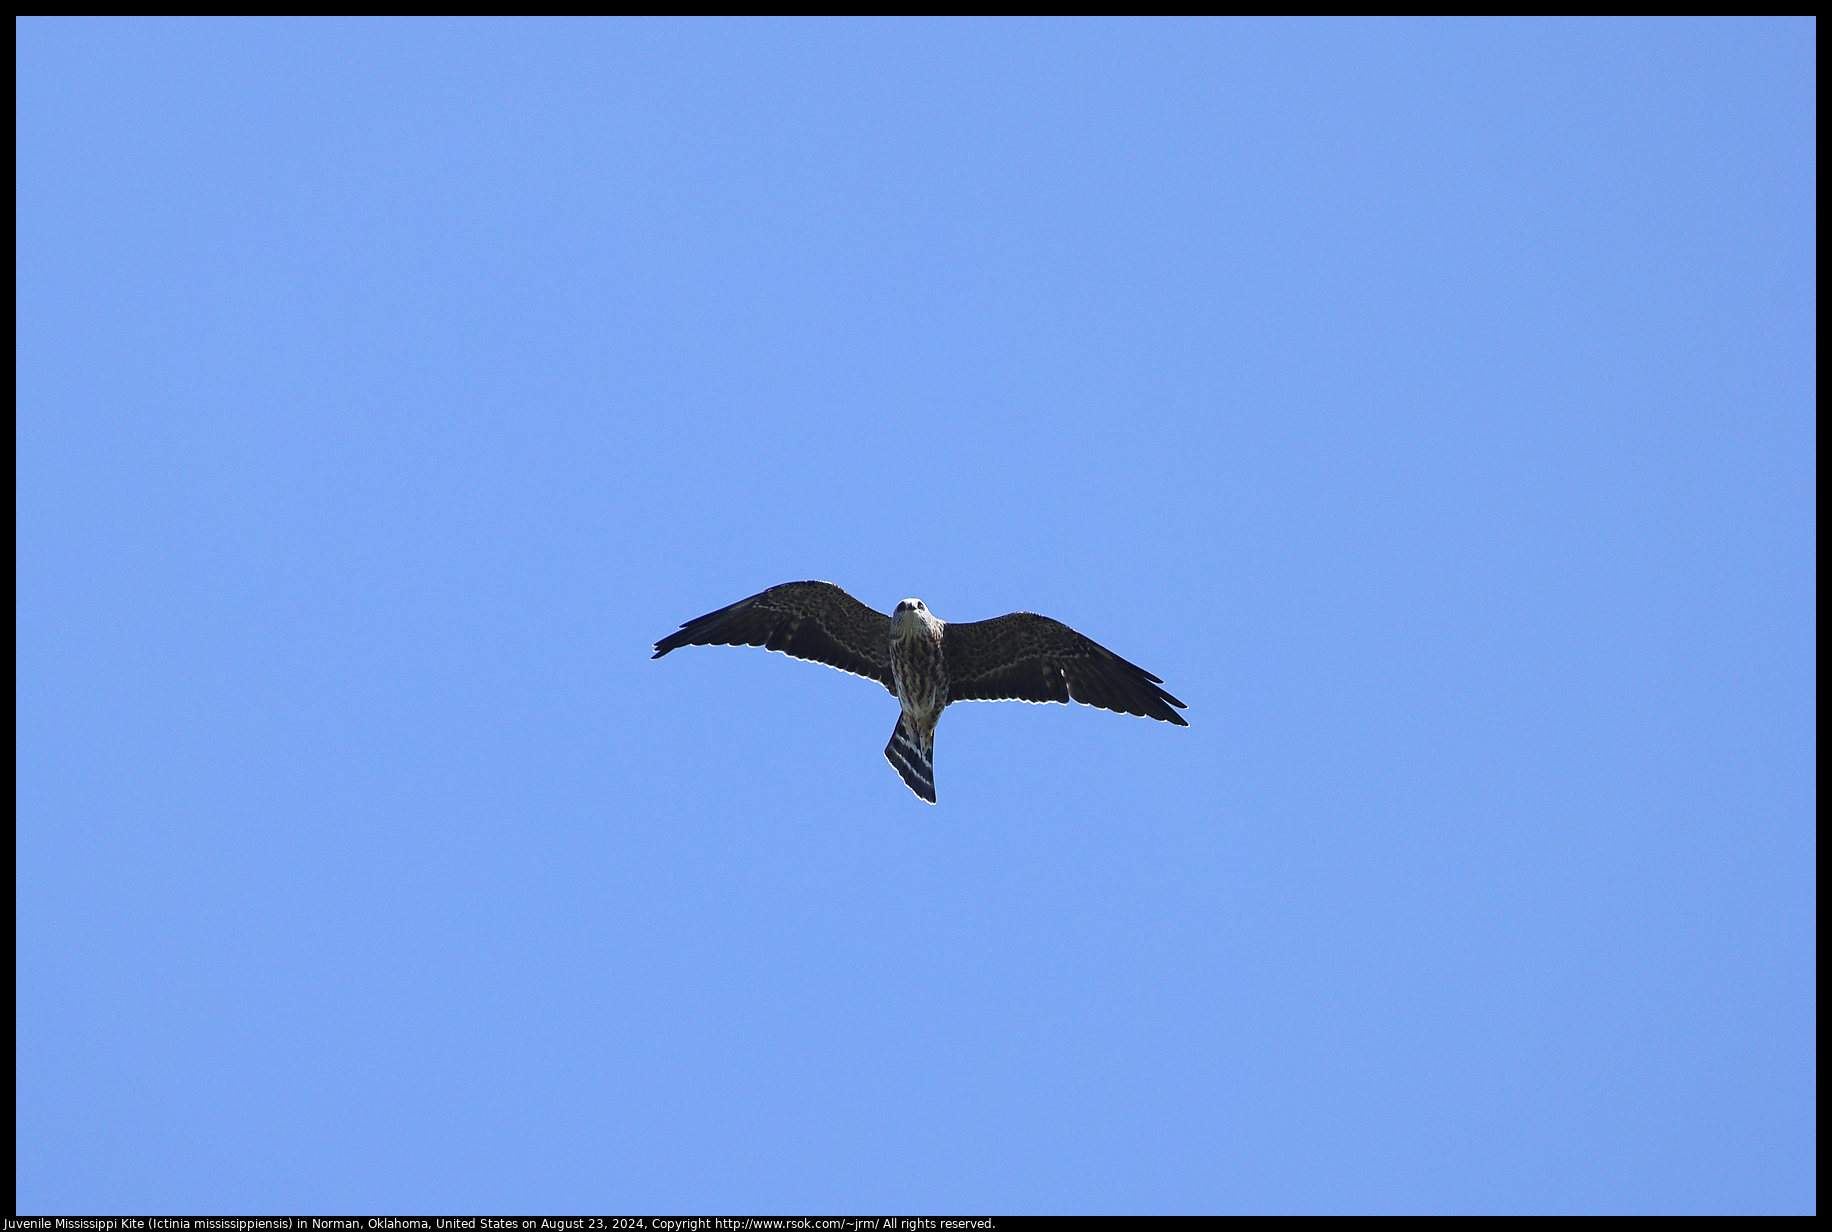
(1430, 404)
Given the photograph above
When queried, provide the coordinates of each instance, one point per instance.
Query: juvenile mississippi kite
(929, 664)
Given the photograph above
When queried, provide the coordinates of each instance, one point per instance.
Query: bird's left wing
(810, 620)
(1032, 658)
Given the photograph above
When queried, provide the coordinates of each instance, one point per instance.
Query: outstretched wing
(1035, 659)
(810, 620)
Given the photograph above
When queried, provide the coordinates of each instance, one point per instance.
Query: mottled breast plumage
(918, 664)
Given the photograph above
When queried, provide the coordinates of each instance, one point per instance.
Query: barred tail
(912, 752)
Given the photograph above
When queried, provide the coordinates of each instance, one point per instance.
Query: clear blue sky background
(1429, 403)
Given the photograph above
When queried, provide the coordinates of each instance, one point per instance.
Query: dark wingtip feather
(1163, 710)
(674, 641)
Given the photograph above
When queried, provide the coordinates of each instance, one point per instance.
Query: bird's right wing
(809, 620)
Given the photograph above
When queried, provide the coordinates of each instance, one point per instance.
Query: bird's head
(911, 617)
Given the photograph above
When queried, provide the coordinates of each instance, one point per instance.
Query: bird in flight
(929, 664)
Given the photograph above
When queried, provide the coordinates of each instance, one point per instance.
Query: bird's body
(929, 664)
(919, 670)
